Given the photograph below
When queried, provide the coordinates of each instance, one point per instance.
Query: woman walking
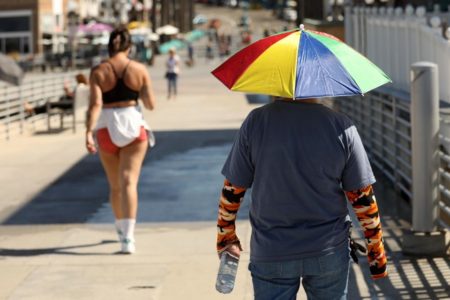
(115, 119)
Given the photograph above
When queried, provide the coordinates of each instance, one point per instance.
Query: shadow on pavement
(409, 277)
(180, 182)
(55, 250)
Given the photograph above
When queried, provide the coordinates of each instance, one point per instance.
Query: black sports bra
(120, 92)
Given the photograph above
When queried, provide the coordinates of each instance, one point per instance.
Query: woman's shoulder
(104, 66)
(137, 66)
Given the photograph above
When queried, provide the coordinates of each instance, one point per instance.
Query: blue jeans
(324, 277)
(172, 83)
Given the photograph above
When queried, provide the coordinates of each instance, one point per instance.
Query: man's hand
(233, 249)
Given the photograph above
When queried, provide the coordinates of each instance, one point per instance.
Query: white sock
(127, 226)
(119, 227)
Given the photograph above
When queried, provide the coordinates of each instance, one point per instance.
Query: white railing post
(8, 118)
(356, 28)
(423, 238)
(21, 110)
(348, 25)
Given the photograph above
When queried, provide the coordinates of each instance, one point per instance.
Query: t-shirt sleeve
(357, 173)
(238, 167)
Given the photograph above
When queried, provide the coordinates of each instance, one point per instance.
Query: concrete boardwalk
(56, 235)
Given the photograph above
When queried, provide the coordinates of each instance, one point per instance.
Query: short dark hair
(119, 40)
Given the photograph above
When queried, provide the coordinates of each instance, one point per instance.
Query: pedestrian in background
(301, 159)
(209, 52)
(173, 70)
(190, 49)
(122, 135)
(65, 102)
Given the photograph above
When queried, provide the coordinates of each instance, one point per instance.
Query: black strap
(126, 67)
(114, 70)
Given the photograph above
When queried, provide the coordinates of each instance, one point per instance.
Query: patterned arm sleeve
(365, 207)
(229, 204)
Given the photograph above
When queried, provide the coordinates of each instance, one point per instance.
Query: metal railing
(14, 120)
(395, 39)
(383, 121)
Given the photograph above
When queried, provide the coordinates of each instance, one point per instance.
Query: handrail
(388, 147)
(36, 92)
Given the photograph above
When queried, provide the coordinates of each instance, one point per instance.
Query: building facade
(30, 26)
(19, 26)
(36, 26)
(179, 13)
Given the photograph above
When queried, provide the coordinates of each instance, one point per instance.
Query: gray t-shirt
(298, 158)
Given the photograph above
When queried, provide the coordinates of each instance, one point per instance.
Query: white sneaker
(128, 246)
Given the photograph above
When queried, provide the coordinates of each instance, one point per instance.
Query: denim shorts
(324, 277)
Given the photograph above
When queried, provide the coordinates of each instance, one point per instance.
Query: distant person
(64, 102)
(222, 43)
(246, 38)
(209, 52)
(229, 41)
(190, 61)
(173, 70)
(302, 161)
(122, 135)
(69, 93)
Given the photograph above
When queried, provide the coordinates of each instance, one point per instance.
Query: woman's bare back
(113, 69)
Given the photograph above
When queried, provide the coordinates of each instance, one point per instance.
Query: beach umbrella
(94, 28)
(194, 35)
(153, 36)
(167, 30)
(300, 64)
(199, 19)
(10, 71)
(176, 44)
(101, 40)
(141, 31)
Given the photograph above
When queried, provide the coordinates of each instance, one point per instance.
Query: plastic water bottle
(227, 273)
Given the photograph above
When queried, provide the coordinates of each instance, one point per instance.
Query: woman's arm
(146, 93)
(95, 106)
(67, 91)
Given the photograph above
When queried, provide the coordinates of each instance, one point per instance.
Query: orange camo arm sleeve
(366, 209)
(229, 204)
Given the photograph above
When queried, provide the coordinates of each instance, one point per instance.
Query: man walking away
(303, 161)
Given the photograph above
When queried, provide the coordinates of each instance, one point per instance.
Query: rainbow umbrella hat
(300, 64)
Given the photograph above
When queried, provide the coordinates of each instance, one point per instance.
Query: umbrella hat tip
(302, 27)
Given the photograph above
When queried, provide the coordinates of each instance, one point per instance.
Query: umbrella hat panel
(235, 67)
(273, 72)
(320, 73)
(367, 75)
